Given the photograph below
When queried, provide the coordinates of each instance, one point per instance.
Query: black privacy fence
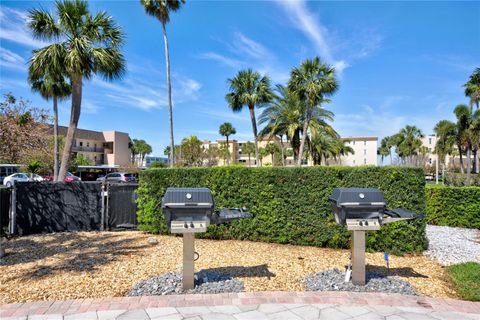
(43, 207)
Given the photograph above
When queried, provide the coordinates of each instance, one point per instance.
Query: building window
(88, 144)
(430, 160)
(429, 140)
(364, 152)
(430, 150)
(353, 161)
(364, 142)
(365, 161)
(353, 142)
(81, 144)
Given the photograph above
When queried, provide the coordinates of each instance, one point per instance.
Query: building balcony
(88, 149)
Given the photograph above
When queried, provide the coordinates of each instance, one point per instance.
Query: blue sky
(398, 62)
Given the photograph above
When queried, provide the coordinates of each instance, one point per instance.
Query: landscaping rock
(451, 245)
(152, 241)
(171, 283)
(334, 280)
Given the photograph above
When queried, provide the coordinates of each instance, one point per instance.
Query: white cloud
(221, 114)
(11, 60)
(234, 63)
(13, 28)
(243, 44)
(302, 18)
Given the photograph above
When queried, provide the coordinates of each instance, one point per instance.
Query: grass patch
(465, 279)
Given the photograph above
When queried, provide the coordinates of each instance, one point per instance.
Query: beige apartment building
(365, 152)
(102, 147)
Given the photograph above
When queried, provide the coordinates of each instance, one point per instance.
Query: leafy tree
(468, 133)
(272, 149)
(226, 129)
(79, 160)
(161, 9)
(157, 164)
(211, 155)
(248, 148)
(446, 132)
(33, 168)
(262, 153)
(23, 130)
(472, 88)
(87, 45)
(141, 148)
(192, 151)
(312, 81)
(249, 88)
(56, 88)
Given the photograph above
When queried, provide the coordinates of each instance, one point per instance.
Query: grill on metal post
(189, 211)
(363, 209)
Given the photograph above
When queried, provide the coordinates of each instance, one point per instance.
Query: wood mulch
(78, 265)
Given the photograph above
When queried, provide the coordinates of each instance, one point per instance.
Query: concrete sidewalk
(246, 306)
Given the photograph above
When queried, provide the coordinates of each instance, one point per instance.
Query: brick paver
(255, 305)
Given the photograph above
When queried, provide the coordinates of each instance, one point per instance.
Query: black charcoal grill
(189, 211)
(363, 209)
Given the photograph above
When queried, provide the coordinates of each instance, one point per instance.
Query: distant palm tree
(468, 132)
(57, 88)
(226, 129)
(272, 148)
(248, 148)
(312, 81)
(249, 88)
(472, 88)
(383, 150)
(446, 132)
(161, 9)
(88, 44)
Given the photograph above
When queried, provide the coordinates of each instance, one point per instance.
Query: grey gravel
(334, 280)
(171, 283)
(451, 245)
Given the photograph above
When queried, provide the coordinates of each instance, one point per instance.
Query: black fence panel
(122, 205)
(5, 199)
(53, 207)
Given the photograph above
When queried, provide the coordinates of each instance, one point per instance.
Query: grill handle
(227, 215)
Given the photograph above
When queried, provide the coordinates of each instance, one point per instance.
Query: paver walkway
(246, 306)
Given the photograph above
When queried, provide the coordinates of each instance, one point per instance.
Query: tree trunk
(462, 167)
(249, 162)
(254, 128)
(228, 152)
(72, 127)
(391, 159)
(169, 90)
(281, 146)
(304, 134)
(55, 139)
(295, 144)
(478, 162)
(469, 164)
(475, 161)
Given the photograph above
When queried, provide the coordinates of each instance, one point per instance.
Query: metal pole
(102, 213)
(188, 262)
(358, 257)
(13, 211)
(436, 163)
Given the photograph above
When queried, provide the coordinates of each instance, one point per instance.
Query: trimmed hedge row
(290, 205)
(453, 206)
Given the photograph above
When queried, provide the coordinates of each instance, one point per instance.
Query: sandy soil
(105, 264)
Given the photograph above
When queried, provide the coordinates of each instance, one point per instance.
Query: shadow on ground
(403, 271)
(260, 271)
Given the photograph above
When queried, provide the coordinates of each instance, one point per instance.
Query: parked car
(13, 178)
(69, 177)
(37, 177)
(118, 177)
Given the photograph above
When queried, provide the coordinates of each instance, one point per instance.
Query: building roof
(371, 138)
(82, 133)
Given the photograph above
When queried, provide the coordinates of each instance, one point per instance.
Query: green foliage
(158, 164)
(79, 160)
(33, 166)
(465, 279)
(290, 205)
(453, 206)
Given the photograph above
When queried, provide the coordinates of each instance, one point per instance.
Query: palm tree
(446, 136)
(472, 88)
(87, 45)
(57, 88)
(226, 129)
(249, 88)
(272, 148)
(468, 131)
(248, 148)
(408, 142)
(285, 116)
(312, 81)
(161, 9)
(383, 152)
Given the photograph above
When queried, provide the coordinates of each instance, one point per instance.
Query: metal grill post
(188, 260)
(358, 257)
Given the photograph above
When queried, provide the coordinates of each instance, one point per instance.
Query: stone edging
(245, 298)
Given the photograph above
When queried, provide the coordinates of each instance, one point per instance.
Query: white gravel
(451, 245)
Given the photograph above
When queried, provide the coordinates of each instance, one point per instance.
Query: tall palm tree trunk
(304, 135)
(72, 127)
(469, 164)
(169, 89)
(55, 139)
(249, 162)
(281, 146)
(462, 167)
(254, 128)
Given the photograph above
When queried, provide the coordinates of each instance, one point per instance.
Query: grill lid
(187, 197)
(357, 196)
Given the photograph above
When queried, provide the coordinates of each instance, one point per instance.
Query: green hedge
(290, 205)
(453, 206)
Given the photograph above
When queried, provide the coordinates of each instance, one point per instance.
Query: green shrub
(290, 205)
(460, 179)
(465, 279)
(453, 206)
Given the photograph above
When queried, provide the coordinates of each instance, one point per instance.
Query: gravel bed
(171, 283)
(334, 280)
(451, 245)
